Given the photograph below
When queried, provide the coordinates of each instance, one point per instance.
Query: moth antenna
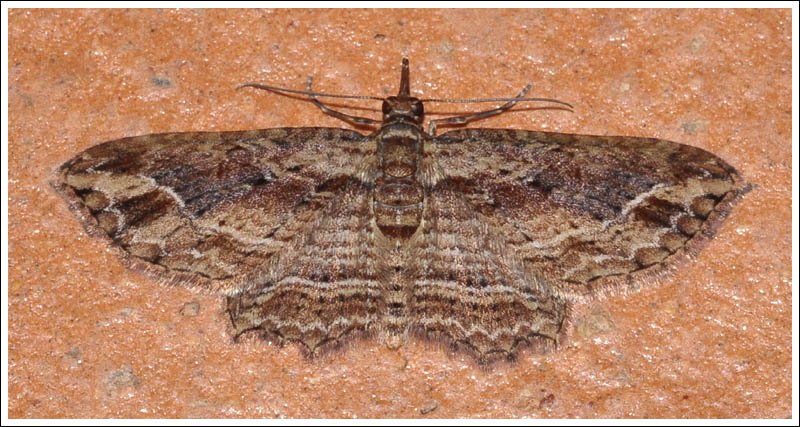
(517, 99)
(459, 120)
(304, 92)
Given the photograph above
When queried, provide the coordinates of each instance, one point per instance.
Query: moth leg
(460, 120)
(364, 121)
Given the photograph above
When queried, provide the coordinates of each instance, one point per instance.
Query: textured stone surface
(89, 339)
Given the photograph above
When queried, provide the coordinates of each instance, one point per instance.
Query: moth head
(401, 108)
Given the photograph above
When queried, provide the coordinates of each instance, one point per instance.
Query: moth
(482, 239)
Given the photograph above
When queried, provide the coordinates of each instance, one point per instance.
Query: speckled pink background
(89, 339)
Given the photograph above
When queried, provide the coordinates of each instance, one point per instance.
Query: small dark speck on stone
(75, 352)
(547, 401)
(120, 380)
(190, 309)
(692, 127)
(696, 44)
(430, 407)
(161, 81)
(27, 99)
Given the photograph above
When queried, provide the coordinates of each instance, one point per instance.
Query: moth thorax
(397, 205)
(399, 156)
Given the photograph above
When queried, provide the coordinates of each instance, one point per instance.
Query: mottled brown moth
(479, 238)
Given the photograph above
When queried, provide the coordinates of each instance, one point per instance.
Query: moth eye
(386, 107)
(417, 109)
